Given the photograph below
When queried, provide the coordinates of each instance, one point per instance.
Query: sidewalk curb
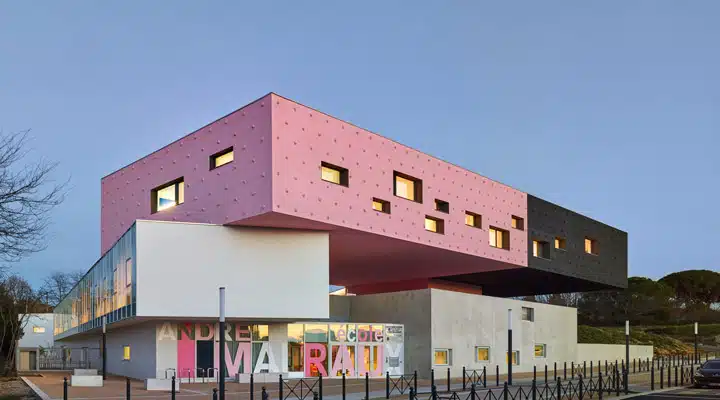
(36, 389)
(629, 396)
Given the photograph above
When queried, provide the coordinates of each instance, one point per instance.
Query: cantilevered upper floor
(398, 218)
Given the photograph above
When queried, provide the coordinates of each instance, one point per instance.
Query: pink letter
(317, 361)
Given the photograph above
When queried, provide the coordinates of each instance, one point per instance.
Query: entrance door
(371, 359)
(205, 358)
(24, 360)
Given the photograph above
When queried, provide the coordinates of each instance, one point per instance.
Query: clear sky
(609, 108)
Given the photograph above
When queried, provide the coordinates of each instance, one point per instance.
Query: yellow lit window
(38, 329)
(515, 357)
(536, 248)
(482, 354)
(404, 188)
(434, 224)
(517, 223)
(498, 238)
(590, 246)
(169, 195)
(560, 243)
(472, 219)
(330, 175)
(540, 351)
(377, 206)
(442, 357)
(334, 174)
(381, 205)
(224, 157)
(540, 249)
(126, 353)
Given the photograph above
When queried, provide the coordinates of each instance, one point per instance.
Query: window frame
(489, 353)
(531, 314)
(505, 237)
(439, 225)
(448, 356)
(385, 205)
(540, 249)
(154, 194)
(342, 171)
(126, 352)
(593, 246)
(557, 241)
(442, 206)
(214, 157)
(517, 357)
(38, 329)
(544, 350)
(417, 186)
(517, 222)
(477, 219)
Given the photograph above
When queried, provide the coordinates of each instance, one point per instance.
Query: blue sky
(609, 108)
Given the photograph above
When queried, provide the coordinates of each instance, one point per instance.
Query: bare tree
(27, 195)
(18, 302)
(56, 286)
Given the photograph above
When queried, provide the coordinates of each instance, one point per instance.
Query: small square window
(407, 187)
(499, 238)
(38, 329)
(472, 219)
(334, 174)
(541, 249)
(221, 158)
(168, 195)
(527, 314)
(560, 243)
(482, 354)
(518, 223)
(540, 351)
(126, 353)
(442, 357)
(590, 246)
(433, 224)
(381, 205)
(515, 357)
(442, 206)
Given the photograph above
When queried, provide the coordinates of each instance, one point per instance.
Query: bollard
(172, 389)
(634, 370)
(584, 368)
(505, 391)
(448, 379)
(652, 377)
(463, 372)
(600, 384)
(676, 371)
(564, 370)
(264, 394)
(472, 391)
(367, 387)
(214, 394)
(534, 390)
(559, 389)
(572, 370)
(433, 391)
(387, 385)
(252, 386)
(497, 375)
(280, 387)
(580, 387)
(682, 376)
(617, 382)
(415, 380)
(320, 380)
(412, 394)
(545, 372)
(555, 370)
(534, 372)
(662, 381)
(65, 390)
(432, 377)
(127, 388)
(591, 369)
(606, 367)
(669, 376)
(343, 385)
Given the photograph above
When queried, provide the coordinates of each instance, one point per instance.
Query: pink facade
(275, 181)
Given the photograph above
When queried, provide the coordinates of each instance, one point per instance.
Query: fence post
(584, 368)
(572, 370)
(497, 375)
(415, 380)
(534, 390)
(252, 386)
(591, 368)
(65, 390)
(534, 372)
(669, 376)
(484, 376)
(263, 394)
(412, 394)
(280, 388)
(367, 388)
(682, 376)
(546, 372)
(554, 370)
(676, 371)
(472, 391)
(606, 368)
(448, 379)
(564, 370)
(127, 388)
(662, 380)
(617, 382)
(172, 389)
(432, 377)
(387, 384)
(580, 387)
(320, 386)
(315, 396)
(505, 391)
(600, 383)
(463, 378)
(214, 396)
(634, 370)
(433, 391)
(343, 385)
(652, 377)
(559, 390)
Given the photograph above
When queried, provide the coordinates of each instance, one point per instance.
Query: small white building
(37, 335)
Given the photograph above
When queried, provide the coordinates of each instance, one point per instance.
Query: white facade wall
(31, 339)
(611, 352)
(268, 273)
(462, 321)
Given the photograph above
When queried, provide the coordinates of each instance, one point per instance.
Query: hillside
(677, 339)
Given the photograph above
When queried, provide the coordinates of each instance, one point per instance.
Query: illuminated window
(472, 219)
(38, 329)
(126, 353)
(590, 246)
(540, 351)
(527, 314)
(334, 174)
(168, 195)
(381, 205)
(221, 158)
(515, 357)
(540, 249)
(560, 243)
(407, 187)
(442, 357)
(434, 224)
(499, 238)
(517, 223)
(442, 206)
(482, 353)
(128, 272)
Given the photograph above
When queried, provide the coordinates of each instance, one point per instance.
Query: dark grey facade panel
(547, 221)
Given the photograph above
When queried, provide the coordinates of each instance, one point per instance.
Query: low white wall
(611, 352)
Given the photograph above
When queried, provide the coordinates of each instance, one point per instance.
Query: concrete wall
(611, 352)
(268, 273)
(462, 321)
(32, 339)
(140, 338)
(410, 308)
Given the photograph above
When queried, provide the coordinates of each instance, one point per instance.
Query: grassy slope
(665, 339)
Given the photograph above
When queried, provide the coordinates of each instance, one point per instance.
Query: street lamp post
(104, 347)
(696, 344)
(627, 354)
(222, 345)
(509, 351)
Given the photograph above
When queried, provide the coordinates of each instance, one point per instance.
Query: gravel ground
(16, 389)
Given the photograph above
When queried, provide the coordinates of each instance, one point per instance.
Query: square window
(334, 174)
(590, 246)
(541, 249)
(527, 314)
(499, 238)
(381, 205)
(221, 158)
(407, 187)
(472, 219)
(442, 206)
(515, 357)
(560, 243)
(482, 354)
(126, 353)
(540, 351)
(433, 224)
(168, 195)
(442, 357)
(38, 329)
(518, 223)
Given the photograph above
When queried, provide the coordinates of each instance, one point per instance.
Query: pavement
(681, 394)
